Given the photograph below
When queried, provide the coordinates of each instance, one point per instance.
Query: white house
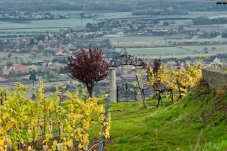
(216, 61)
(47, 63)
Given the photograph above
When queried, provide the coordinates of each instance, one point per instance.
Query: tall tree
(88, 67)
(9, 55)
(213, 48)
(32, 77)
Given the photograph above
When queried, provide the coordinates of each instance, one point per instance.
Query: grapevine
(22, 121)
(177, 81)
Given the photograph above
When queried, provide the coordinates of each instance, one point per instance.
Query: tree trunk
(90, 93)
(90, 90)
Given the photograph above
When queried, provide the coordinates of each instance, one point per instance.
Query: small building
(171, 63)
(58, 52)
(2, 79)
(18, 68)
(216, 61)
(38, 63)
(118, 79)
(128, 77)
(73, 48)
(128, 67)
(47, 63)
(3, 67)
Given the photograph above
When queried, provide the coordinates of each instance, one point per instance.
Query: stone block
(214, 77)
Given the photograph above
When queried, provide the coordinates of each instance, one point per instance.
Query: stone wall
(214, 77)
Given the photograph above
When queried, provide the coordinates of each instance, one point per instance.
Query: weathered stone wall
(214, 77)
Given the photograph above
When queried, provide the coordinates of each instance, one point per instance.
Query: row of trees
(206, 21)
(165, 11)
(122, 6)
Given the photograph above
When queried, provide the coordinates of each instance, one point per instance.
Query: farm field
(27, 31)
(178, 22)
(135, 51)
(213, 17)
(112, 36)
(54, 25)
(115, 15)
(25, 58)
(4, 54)
(132, 39)
(41, 25)
(219, 48)
(219, 37)
(138, 38)
(139, 52)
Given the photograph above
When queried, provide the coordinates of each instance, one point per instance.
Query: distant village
(48, 53)
(31, 15)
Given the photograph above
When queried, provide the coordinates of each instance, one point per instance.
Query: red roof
(17, 65)
(119, 70)
(128, 76)
(118, 79)
(128, 67)
(47, 61)
(2, 79)
(171, 63)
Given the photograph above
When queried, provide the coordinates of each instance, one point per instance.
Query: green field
(115, 15)
(162, 50)
(192, 124)
(54, 25)
(42, 25)
(41, 58)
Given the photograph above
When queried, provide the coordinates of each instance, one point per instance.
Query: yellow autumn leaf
(80, 145)
(29, 148)
(1, 142)
(69, 143)
(135, 85)
(86, 125)
(138, 75)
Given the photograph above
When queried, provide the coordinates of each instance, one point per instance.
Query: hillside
(198, 122)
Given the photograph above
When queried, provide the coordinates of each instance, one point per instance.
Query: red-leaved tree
(88, 67)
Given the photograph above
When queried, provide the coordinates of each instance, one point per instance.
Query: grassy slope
(175, 127)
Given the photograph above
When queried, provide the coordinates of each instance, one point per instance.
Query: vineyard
(65, 125)
(175, 82)
(24, 121)
(194, 117)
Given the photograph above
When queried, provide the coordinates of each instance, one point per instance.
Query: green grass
(186, 125)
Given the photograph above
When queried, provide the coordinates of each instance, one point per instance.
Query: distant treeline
(207, 21)
(174, 7)
(168, 11)
(148, 7)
